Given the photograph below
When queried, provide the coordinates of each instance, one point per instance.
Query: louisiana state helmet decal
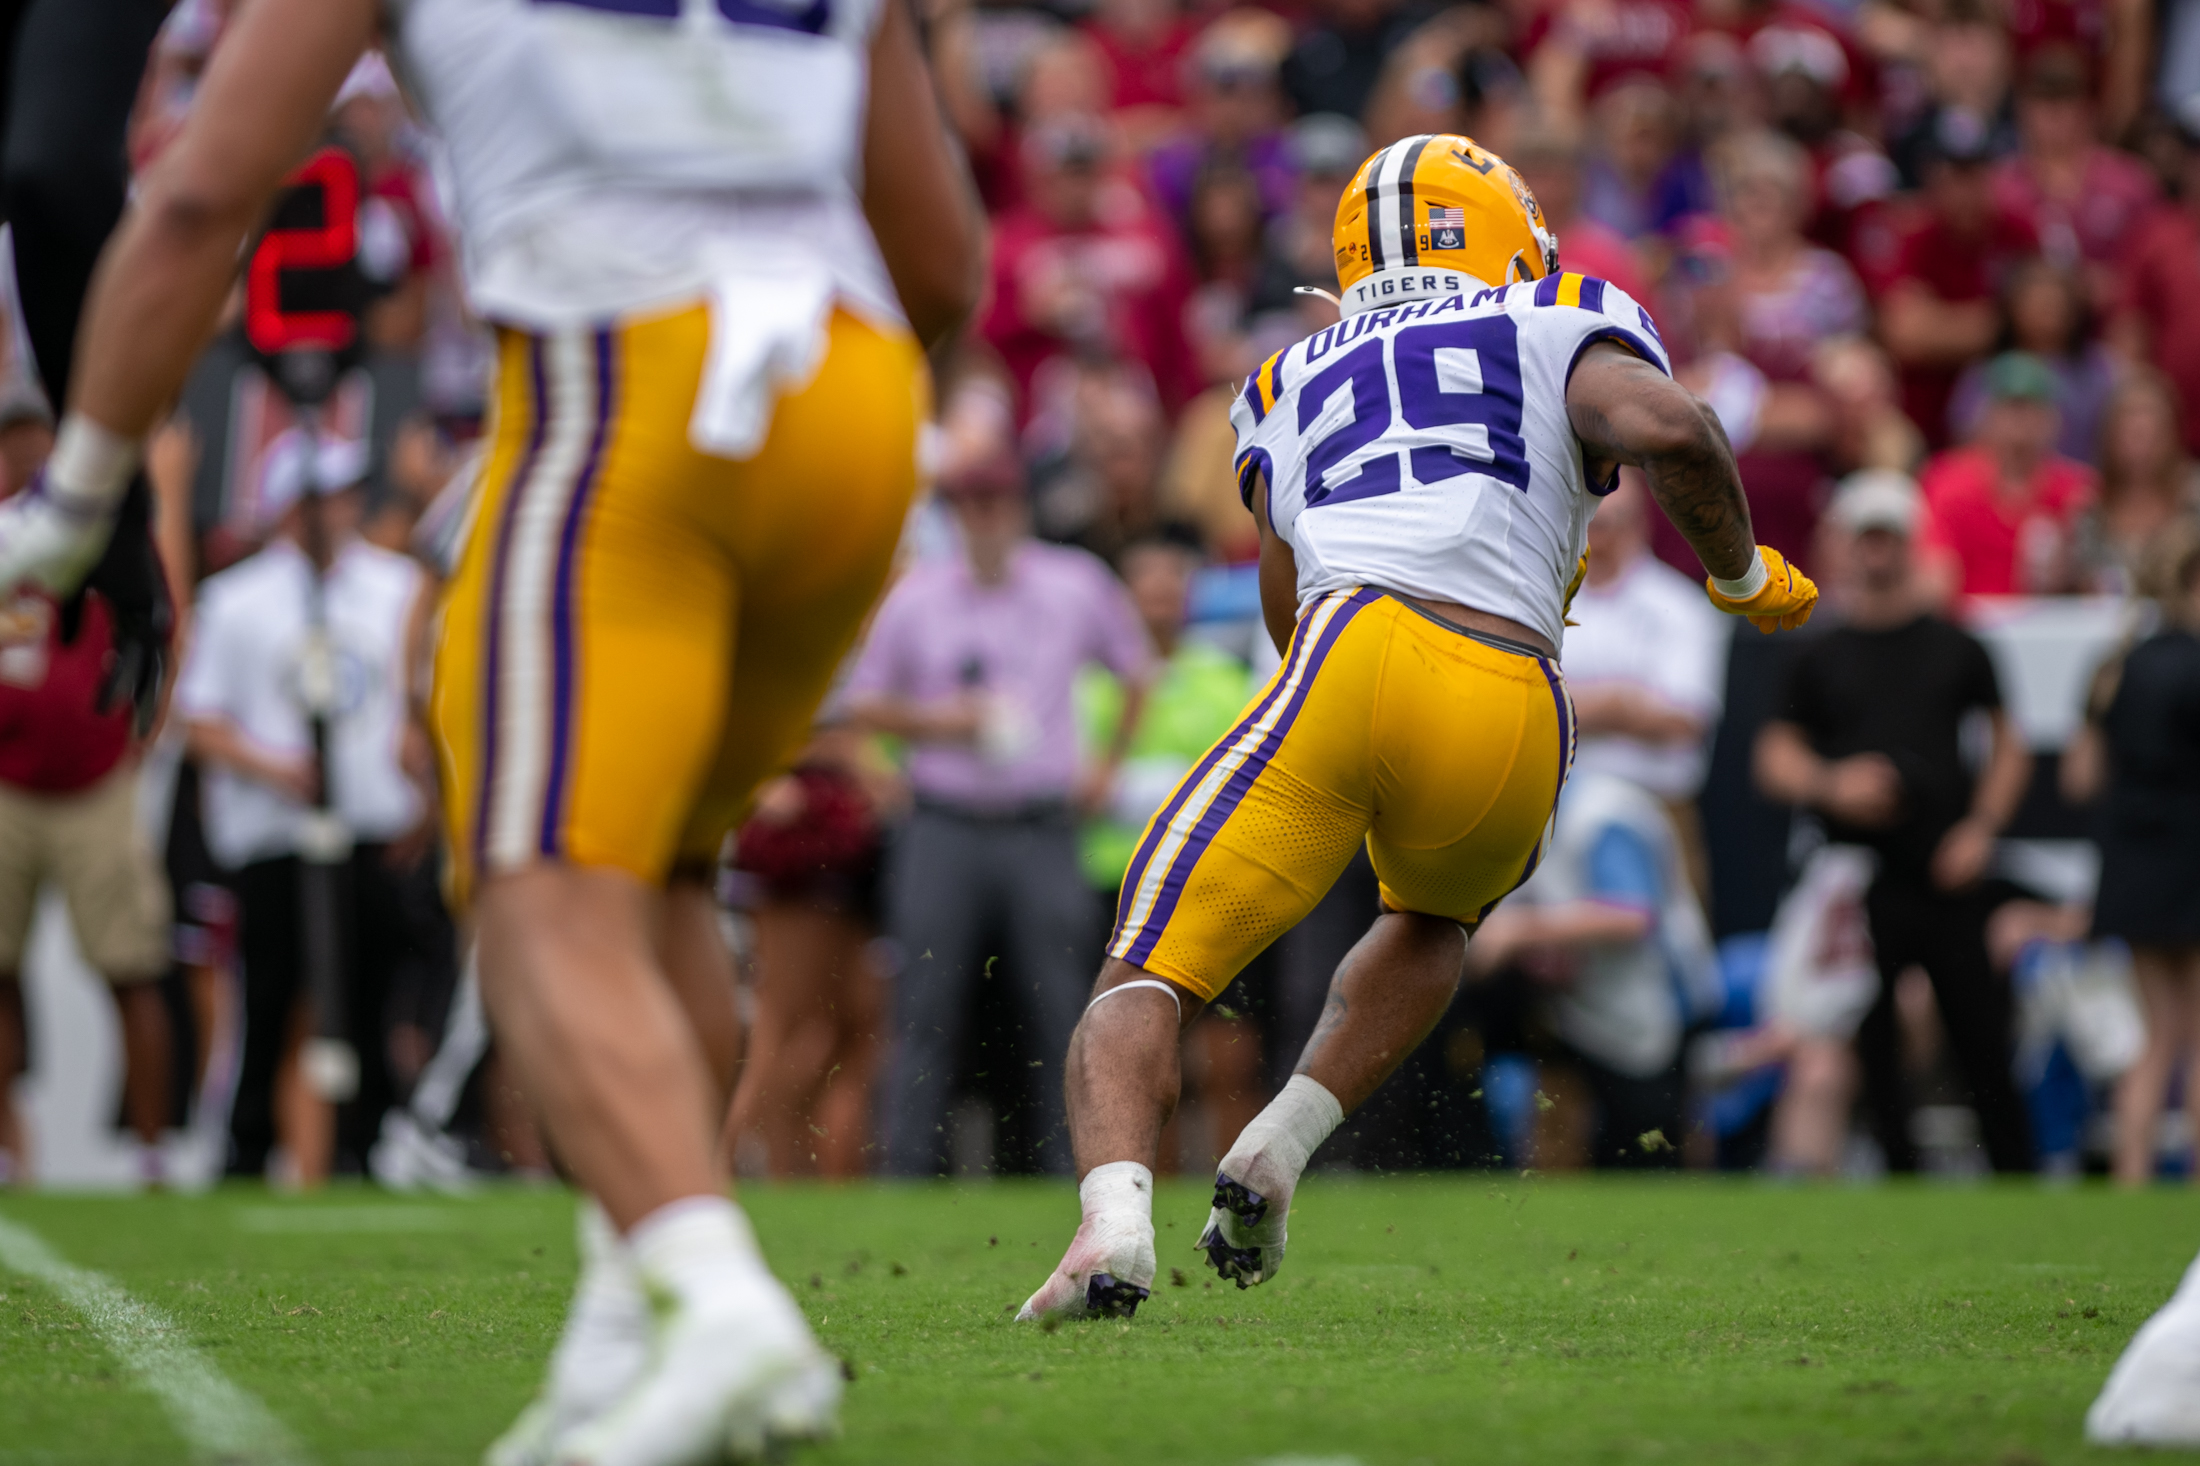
(1440, 202)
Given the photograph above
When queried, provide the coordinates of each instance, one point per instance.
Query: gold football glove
(1782, 601)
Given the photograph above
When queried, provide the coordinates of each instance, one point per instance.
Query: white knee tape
(1139, 982)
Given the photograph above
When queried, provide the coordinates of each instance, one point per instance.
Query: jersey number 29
(1460, 375)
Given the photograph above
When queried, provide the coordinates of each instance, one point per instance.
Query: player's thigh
(587, 635)
(1268, 819)
(116, 893)
(811, 525)
(1473, 748)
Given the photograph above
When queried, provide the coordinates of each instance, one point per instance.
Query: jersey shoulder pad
(1588, 310)
(1254, 401)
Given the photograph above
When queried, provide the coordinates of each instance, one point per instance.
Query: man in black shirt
(1881, 724)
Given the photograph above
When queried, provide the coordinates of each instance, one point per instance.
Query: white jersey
(1425, 448)
(610, 155)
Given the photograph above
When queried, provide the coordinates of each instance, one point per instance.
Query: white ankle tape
(1118, 1185)
(1139, 982)
(1290, 1129)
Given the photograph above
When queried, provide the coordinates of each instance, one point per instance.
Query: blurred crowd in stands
(1936, 265)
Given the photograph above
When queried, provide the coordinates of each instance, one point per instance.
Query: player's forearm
(1625, 410)
(917, 191)
(1696, 483)
(154, 301)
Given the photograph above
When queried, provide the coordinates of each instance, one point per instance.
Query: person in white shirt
(1645, 657)
(248, 725)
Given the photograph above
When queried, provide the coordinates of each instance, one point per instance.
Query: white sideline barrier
(2045, 650)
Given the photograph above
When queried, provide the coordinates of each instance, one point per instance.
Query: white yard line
(220, 1422)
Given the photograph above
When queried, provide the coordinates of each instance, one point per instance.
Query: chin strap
(1318, 291)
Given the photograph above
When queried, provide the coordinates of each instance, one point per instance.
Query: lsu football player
(712, 234)
(1422, 474)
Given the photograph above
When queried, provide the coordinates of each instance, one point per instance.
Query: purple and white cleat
(1245, 1233)
(1107, 1272)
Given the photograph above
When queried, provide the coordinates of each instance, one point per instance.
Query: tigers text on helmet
(1427, 210)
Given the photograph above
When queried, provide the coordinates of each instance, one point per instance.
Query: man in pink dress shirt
(972, 661)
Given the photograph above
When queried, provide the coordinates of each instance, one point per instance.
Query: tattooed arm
(1625, 410)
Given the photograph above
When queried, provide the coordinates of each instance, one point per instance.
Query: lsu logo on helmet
(1434, 208)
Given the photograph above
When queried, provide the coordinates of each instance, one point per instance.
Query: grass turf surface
(1460, 1319)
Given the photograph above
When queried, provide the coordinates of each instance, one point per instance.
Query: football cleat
(737, 1377)
(2152, 1397)
(1243, 1241)
(1107, 1272)
(600, 1355)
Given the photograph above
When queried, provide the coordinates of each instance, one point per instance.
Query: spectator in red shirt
(1579, 49)
(1144, 42)
(2000, 512)
(2083, 200)
(68, 815)
(1939, 307)
(1085, 268)
(2158, 315)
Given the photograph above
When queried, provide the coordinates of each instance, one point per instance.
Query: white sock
(607, 1267)
(694, 1247)
(1115, 1188)
(1284, 1136)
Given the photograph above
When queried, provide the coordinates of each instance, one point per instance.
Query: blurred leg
(147, 1055)
(1979, 1012)
(1879, 1036)
(268, 955)
(859, 1011)
(692, 947)
(1811, 1121)
(1050, 949)
(13, 1139)
(597, 1036)
(940, 903)
(1230, 1084)
(797, 951)
(2145, 1085)
(305, 1123)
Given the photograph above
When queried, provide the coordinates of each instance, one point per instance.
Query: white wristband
(1748, 585)
(91, 466)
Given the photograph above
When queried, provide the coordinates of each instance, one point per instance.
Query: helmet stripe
(1409, 241)
(1375, 168)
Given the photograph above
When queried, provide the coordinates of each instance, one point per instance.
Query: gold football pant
(639, 632)
(1443, 749)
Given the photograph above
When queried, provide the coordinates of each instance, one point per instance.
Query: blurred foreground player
(704, 449)
(1416, 561)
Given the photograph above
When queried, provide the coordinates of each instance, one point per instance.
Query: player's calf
(1246, 1231)
(1109, 1268)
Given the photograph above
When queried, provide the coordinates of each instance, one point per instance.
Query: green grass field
(1474, 1319)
